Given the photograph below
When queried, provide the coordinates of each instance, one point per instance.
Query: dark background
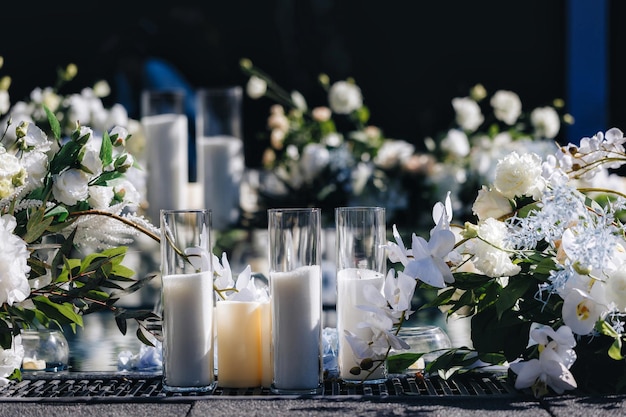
(409, 58)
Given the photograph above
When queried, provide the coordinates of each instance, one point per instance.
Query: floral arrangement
(67, 210)
(485, 129)
(329, 155)
(541, 272)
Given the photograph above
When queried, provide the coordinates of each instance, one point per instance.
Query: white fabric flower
(344, 97)
(14, 268)
(507, 106)
(70, 186)
(491, 203)
(546, 122)
(256, 87)
(520, 176)
(468, 114)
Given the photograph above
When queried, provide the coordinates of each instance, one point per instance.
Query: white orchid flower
(399, 293)
(581, 311)
(547, 371)
(428, 263)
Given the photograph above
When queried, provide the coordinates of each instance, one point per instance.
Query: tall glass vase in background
(165, 126)
(187, 300)
(361, 262)
(219, 146)
(296, 300)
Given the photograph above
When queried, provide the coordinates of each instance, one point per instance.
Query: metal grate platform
(125, 387)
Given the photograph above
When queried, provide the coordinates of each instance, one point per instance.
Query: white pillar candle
(188, 329)
(220, 169)
(167, 160)
(297, 327)
(350, 285)
(239, 351)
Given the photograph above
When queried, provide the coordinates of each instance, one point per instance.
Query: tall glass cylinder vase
(296, 300)
(187, 300)
(361, 262)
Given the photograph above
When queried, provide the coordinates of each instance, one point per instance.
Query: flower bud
(470, 231)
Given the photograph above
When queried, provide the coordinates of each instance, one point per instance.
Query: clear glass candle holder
(45, 350)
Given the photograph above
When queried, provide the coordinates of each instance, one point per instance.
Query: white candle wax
(239, 352)
(296, 325)
(188, 329)
(220, 169)
(350, 284)
(167, 160)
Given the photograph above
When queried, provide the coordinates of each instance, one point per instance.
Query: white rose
(456, 143)
(315, 159)
(344, 97)
(116, 116)
(468, 114)
(36, 164)
(71, 186)
(256, 87)
(546, 122)
(491, 203)
(100, 197)
(36, 138)
(520, 176)
(507, 106)
(14, 269)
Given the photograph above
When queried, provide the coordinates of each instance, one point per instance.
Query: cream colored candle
(239, 352)
(350, 285)
(267, 371)
(297, 327)
(188, 329)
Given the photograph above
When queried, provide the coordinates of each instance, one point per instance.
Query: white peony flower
(344, 97)
(507, 106)
(14, 269)
(70, 186)
(468, 114)
(518, 176)
(546, 122)
(491, 203)
(256, 87)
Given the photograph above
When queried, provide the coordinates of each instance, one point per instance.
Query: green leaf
(142, 337)
(36, 226)
(615, 351)
(509, 295)
(54, 123)
(106, 149)
(121, 324)
(64, 313)
(399, 363)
